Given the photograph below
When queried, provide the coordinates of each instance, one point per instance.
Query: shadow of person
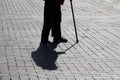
(45, 56)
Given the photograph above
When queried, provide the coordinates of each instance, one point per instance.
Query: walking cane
(74, 26)
(74, 21)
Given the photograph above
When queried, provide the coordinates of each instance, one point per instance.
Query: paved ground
(96, 57)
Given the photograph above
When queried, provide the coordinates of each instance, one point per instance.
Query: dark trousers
(52, 20)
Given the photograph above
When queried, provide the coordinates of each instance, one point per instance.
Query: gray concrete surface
(96, 57)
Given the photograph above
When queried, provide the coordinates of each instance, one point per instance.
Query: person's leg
(56, 28)
(56, 31)
(47, 22)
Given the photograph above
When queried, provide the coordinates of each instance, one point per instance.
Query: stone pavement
(95, 57)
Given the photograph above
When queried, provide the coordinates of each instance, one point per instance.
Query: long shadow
(70, 47)
(45, 56)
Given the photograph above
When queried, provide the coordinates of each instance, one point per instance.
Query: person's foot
(59, 40)
(45, 42)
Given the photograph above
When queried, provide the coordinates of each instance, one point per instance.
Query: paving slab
(95, 57)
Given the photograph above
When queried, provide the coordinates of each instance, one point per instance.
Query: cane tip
(77, 41)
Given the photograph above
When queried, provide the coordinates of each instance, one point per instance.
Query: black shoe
(59, 40)
(45, 42)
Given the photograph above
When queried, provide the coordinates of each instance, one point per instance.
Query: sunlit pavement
(95, 57)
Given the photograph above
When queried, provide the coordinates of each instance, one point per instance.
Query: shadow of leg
(45, 56)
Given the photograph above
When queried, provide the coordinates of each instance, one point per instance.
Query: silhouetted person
(52, 20)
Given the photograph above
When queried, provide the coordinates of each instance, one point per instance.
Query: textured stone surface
(95, 57)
